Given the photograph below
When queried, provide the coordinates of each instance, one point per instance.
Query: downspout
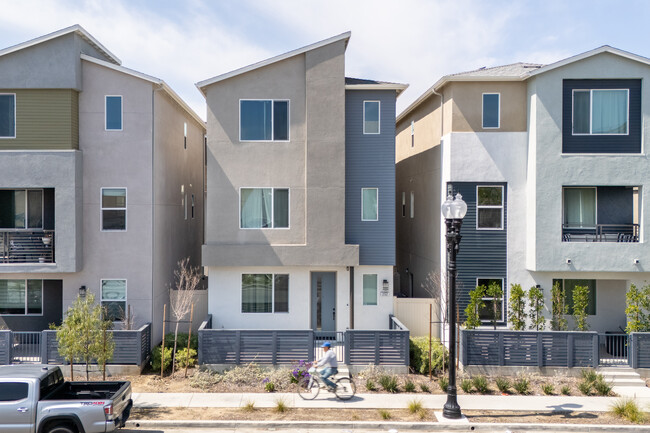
(153, 207)
(351, 297)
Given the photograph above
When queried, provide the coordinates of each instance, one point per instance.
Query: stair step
(629, 382)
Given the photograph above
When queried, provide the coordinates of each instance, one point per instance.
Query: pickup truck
(36, 399)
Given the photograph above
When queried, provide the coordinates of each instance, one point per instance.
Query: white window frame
(363, 291)
(489, 298)
(595, 207)
(272, 208)
(102, 209)
(412, 204)
(483, 111)
(478, 207)
(121, 113)
(377, 192)
(378, 118)
(288, 101)
(15, 117)
(591, 112)
(273, 274)
(26, 299)
(126, 295)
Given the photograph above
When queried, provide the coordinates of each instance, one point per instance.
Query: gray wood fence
(639, 350)
(5, 347)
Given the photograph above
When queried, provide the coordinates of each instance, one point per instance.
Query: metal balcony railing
(26, 246)
(601, 233)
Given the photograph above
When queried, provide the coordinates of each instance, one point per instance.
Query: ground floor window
(114, 299)
(265, 293)
(21, 297)
(570, 285)
(370, 289)
(486, 314)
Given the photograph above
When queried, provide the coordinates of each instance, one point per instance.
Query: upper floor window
(114, 299)
(21, 297)
(371, 117)
(600, 111)
(21, 209)
(113, 113)
(263, 120)
(403, 203)
(185, 135)
(412, 204)
(491, 108)
(262, 208)
(489, 207)
(113, 209)
(7, 115)
(412, 133)
(369, 204)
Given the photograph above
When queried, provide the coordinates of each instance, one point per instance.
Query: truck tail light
(108, 411)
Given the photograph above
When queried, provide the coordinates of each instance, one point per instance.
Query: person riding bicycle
(330, 363)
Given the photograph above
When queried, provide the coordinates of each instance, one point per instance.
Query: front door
(323, 301)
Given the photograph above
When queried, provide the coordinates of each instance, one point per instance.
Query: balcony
(26, 246)
(602, 233)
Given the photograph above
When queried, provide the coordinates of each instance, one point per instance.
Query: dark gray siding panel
(370, 163)
(615, 205)
(483, 253)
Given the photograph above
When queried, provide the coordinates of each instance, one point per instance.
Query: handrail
(396, 324)
(601, 233)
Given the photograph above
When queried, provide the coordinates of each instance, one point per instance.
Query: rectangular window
(569, 285)
(412, 204)
(113, 113)
(114, 299)
(369, 204)
(20, 209)
(412, 133)
(7, 115)
(113, 209)
(489, 207)
(370, 289)
(21, 297)
(487, 312)
(579, 207)
(371, 117)
(263, 208)
(192, 206)
(184, 135)
(491, 108)
(265, 293)
(403, 203)
(600, 111)
(263, 120)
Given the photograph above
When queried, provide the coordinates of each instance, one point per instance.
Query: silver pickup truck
(36, 399)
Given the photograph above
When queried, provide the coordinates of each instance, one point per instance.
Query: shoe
(331, 389)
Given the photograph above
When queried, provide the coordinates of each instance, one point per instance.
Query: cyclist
(330, 364)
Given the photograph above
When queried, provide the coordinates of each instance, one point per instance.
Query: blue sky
(408, 41)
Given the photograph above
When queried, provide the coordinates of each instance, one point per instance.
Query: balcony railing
(601, 233)
(26, 246)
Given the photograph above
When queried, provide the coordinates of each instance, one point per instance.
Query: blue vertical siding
(370, 163)
(483, 253)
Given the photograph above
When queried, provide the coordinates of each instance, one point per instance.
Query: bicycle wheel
(345, 388)
(308, 388)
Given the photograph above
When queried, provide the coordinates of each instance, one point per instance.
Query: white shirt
(329, 360)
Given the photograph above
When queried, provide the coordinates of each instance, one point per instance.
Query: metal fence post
(310, 352)
(463, 346)
(631, 350)
(377, 360)
(347, 344)
(569, 350)
(407, 347)
(502, 349)
(274, 347)
(237, 347)
(595, 355)
(540, 350)
(44, 335)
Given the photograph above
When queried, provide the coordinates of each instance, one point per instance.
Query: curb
(379, 425)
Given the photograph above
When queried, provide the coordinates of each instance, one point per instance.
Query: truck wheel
(62, 428)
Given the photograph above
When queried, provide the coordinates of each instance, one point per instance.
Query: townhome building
(551, 162)
(101, 184)
(300, 208)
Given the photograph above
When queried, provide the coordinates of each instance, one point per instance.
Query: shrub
(594, 381)
(480, 384)
(585, 387)
(384, 414)
(580, 304)
(536, 312)
(389, 383)
(414, 406)
(370, 385)
(565, 390)
(182, 359)
(443, 382)
(559, 308)
(419, 355)
(602, 388)
(299, 371)
(589, 375)
(517, 307)
(522, 385)
(503, 384)
(627, 408)
(548, 389)
(181, 341)
(424, 387)
(281, 406)
(249, 406)
(475, 304)
(249, 374)
(409, 386)
(205, 379)
(156, 358)
(268, 385)
(466, 385)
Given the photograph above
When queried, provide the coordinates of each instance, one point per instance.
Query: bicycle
(309, 386)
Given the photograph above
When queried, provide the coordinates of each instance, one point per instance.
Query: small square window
(114, 299)
(489, 207)
(491, 110)
(113, 207)
(371, 117)
(7, 115)
(370, 289)
(113, 113)
(369, 204)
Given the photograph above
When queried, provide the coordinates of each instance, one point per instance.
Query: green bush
(443, 382)
(628, 408)
(269, 386)
(389, 383)
(370, 385)
(182, 341)
(565, 390)
(424, 387)
(522, 385)
(503, 384)
(419, 355)
(156, 358)
(480, 384)
(548, 389)
(466, 385)
(182, 360)
(409, 386)
(585, 387)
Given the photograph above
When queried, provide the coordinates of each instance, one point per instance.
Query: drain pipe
(351, 269)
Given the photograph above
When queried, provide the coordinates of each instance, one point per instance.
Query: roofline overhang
(399, 88)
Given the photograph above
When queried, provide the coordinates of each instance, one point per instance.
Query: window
(491, 108)
(412, 133)
(113, 113)
(369, 205)
(600, 111)
(263, 120)
(185, 206)
(487, 312)
(21, 297)
(192, 206)
(412, 204)
(489, 207)
(13, 391)
(579, 207)
(113, 209)
(403, 203)
(21, 209)
(264, 208)
(7, 115)
(370, 289)
(569, 285)
(114, 299)
(265, 293)
(371, 117)
(184, 135)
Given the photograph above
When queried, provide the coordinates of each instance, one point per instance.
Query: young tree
(517, 307)
(495, 292)
(476, 302)
(187, 279)
(580, 303)
(81, 336)
(636, 309)
(536, 312)
(560, 309)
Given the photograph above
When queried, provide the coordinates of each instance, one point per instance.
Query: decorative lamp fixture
(82, 291)
(385, 284)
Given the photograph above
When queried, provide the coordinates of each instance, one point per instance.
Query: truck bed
(85, 391)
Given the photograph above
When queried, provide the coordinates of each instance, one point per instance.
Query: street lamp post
(453, 210)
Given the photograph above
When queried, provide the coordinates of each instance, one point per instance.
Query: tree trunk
(71, 370)
(174, 352)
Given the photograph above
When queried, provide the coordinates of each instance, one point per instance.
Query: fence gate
(26, 348)
(612, 349)
(336, 339)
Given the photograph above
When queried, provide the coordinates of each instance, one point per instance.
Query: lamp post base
(451, 409)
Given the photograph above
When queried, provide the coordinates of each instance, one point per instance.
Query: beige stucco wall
(427, 129)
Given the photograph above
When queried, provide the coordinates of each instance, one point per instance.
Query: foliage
(384, 414)
(389, 383)
(548, 389)
(472, 319)
(603, 388)
(249, 406)
(409, 386)
(560, 309)
(419, 355)
(580, 303)
(589, 375)
(184, 360)
(204, 379)
(372, 372)
(156, 358)
(244, 375)
(627, 408)
(299, 371)
(466, 385)
(83, 334)
(517, 307)
(370, 385)
(443, 381)
(480, 384)
(181, 340)
(565, 390)
(424, 387)
(495, 292)
(585, 387)
(414, 406)
(281, 406)
(536, 312)
(522, 385)
(637, 309)
(594, 381)
(268, 385)
(503, 384)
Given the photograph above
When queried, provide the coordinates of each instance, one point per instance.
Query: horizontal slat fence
(522, 348)
(377, 347)
(639, 350)
(5, 347)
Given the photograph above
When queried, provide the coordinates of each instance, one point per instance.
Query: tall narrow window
(192, 206)
(184, 135)
(7, 115)
(370, 289)
(371, 117)
(113, 209)
(489, 207)
(580, 207)
(403, 203)
(600, 112)
(264, 208)
(114, 299)
(487, 312)
(491, 108)
(369, 204)
(263, 120)
(113, 113)
(412, 133)
(412, 204)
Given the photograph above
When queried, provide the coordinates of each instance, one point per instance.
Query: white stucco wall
(373, 316)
